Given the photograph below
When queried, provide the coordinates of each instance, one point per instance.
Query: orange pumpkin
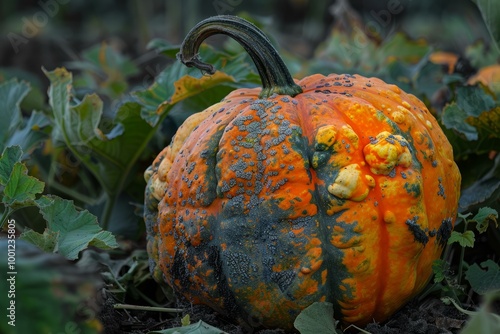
(334, 188)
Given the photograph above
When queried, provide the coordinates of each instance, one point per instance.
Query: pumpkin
(335, 188)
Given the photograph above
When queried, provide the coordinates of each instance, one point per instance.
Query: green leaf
(104, 70)
(46, 241)
(481, 56)
(491, 15)
(484, 191)
(466, 114)
(402, 48)
(12, 93)
(110, 157)
(77, 229)
(440, 269)
(164, 47)
(179, 83)
(465, 239)
(186, 320)
(34, 131)
(483, 281)
(484, 216)
(454, 117)
(9, 157)
(21, 188)
(198, 328)
(474, 100)
(317, 318)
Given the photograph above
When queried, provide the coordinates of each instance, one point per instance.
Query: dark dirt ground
(430, 316)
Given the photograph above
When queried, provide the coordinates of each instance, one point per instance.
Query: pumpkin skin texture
(345, 193)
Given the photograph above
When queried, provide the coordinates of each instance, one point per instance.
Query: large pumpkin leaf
(454, 118)
(484, 280)
(68, 231)
(466, 114)
(21, 188)
(47, 241)
(491, 15)
(35, 130)
(110, 156)
(9, 158)
(18, 188)
(76, 229)
(12, 93)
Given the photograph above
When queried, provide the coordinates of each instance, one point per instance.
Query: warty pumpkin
(335, 188)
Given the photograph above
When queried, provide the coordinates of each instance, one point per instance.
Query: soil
(430, 316)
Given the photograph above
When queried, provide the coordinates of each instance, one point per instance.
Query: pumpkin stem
(272, 70)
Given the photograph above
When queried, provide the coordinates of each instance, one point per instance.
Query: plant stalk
(462, 255)
(108, 210)
(5, 215)
(147, 308)
(276, 79)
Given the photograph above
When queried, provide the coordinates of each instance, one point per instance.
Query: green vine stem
(5, 215)
(462, 256)
(272, 70)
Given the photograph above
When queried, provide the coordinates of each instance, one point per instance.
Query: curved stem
(272, 70)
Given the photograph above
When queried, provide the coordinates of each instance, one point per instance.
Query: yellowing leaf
(488, 121)
(181, 84)
(483, 218)
(488, 76)
(188, 86)
(444, 58)
(47, 241)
